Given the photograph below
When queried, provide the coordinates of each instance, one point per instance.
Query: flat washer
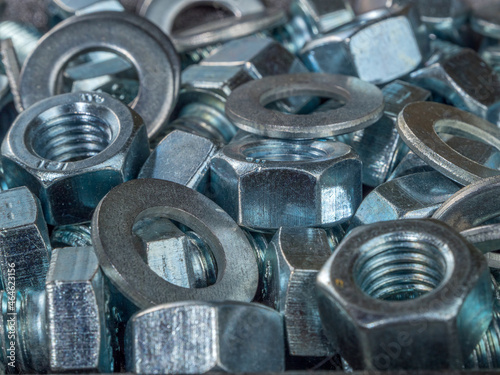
(364, 105)
(418, 124)
(151, 53)
(118, 249)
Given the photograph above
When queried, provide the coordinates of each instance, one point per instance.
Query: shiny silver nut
(323, 16)
(466, 81)
(293, 259)
(24, 240)
(76, 303)
(392, 296)
(183, 158)
(68, 8)
(415, 196)
(379, 51)
(197, 337)
(265, 184)
(71, 149)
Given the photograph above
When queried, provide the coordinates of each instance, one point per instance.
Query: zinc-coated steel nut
(465, 80)
(198, 337)
(392, 296)
(484, 19)
(24, 240)
(363, 105)
(183, 158)
(323, 16)
(118, 249)
(77, 312)
(293, 260)
(419, 124)
(377, 51)
(71, 149)
(148, 49)
(265, 184)
(415, 196)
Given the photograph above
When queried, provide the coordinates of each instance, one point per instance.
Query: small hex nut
(71, 149)
(183, 158)
(323, 16)
(415, 196)
(265, 184)
(197, 337)
(392, 296)
(293, 259)
(77, 315)
(378, 51)
(24, 240)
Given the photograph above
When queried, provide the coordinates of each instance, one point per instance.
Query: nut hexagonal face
(465, 80)
(415, 196)
(379, 51)
(197, 337)
(71, 149)
(24, 240)
(183, 158)
(293, 259)
(392, 296)
(76, 303)
(267, 183)
(323, 16)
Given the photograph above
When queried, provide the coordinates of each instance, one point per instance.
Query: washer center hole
(102, 71)
(176, 253)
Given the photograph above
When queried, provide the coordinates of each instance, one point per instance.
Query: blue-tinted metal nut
(197, 337)
(71, 149)
(265, 184)
(378, 51)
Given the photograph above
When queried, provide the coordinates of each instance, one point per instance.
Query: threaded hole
(283, 151)
(71, 137)
(399, 269)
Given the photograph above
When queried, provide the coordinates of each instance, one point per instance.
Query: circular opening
(69, 134)
(302, 100)
(199, 14)
(399, 268)
(282, 151)
(102, 71)
(175, 252)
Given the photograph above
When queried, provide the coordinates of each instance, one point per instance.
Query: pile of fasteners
(228, 187)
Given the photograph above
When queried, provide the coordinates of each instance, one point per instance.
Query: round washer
(418, 124)
(136, 39)
(118, 248)
(364, 105)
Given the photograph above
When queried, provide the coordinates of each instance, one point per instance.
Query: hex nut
(183, 158)
(77, 312)
(392, 296)
(293, 260)
(465, 80)
(415, 196)
(197, 337)
(268, 183)
(24, 240)
(71, 149)
(378, 51)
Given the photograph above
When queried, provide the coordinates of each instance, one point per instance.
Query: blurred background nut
(24, 240)
(197, 337)
(392, 296)
(415, 196)
(183, 158)
(76, 305)
(293, 259)
(71, 149)
(268, 183)
(377, 51)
